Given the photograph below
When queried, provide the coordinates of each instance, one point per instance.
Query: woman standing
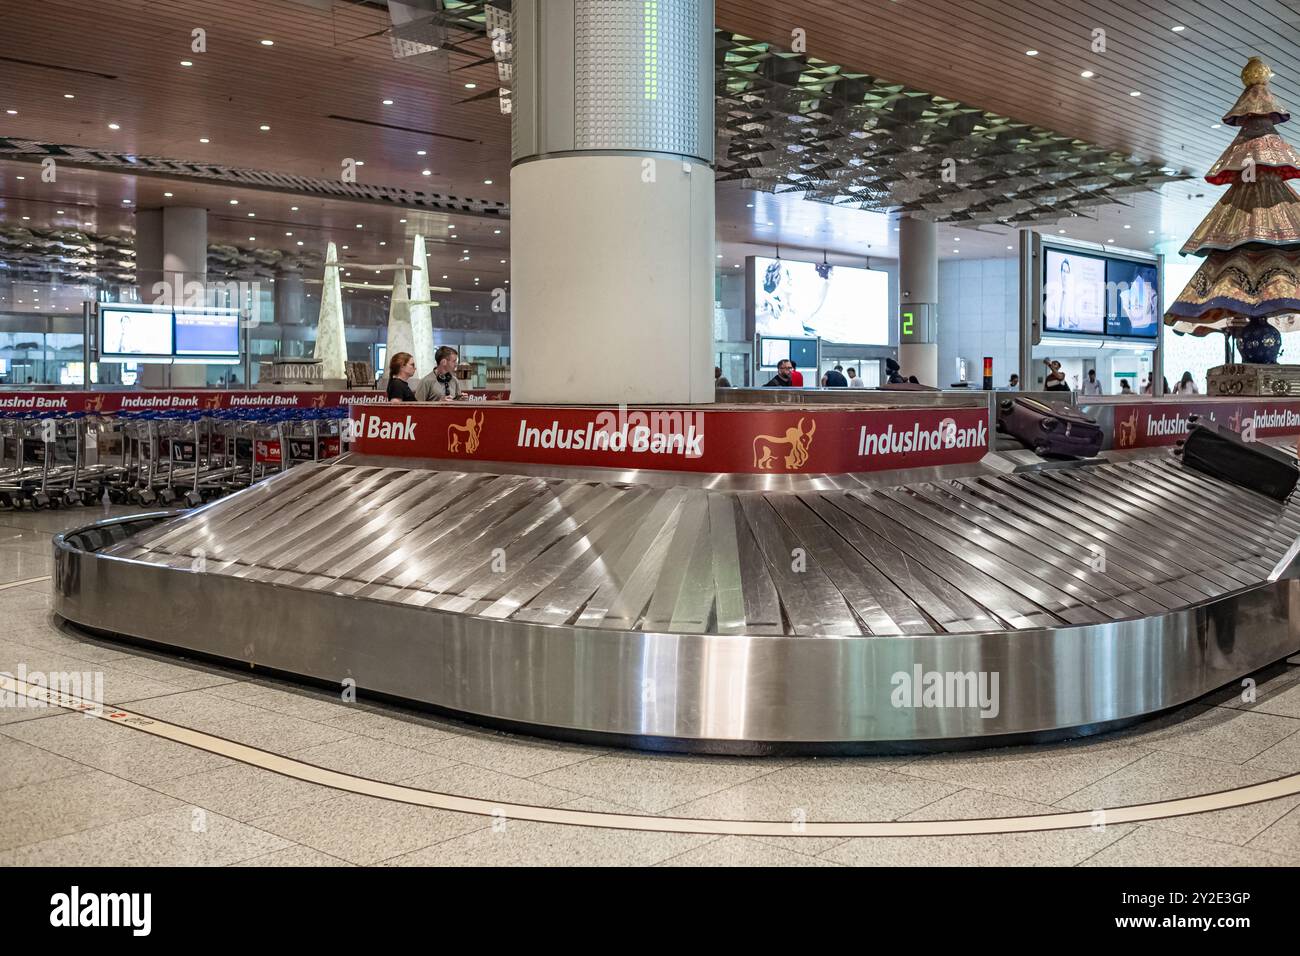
(1186, 386)
(400, 371)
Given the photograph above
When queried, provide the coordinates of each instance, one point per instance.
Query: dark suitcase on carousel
(1221, 453)
(1050, 428)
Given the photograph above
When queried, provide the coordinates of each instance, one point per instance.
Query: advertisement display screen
(207, 332)
(805, 299)
(134, 333)
(1135, 307)
(1074, 292)
(774, 352)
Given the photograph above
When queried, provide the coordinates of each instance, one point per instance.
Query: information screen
(207, 332)
(1134, 308)
(774, 352)
(806, 299)
(134, 333)
(1074, 292)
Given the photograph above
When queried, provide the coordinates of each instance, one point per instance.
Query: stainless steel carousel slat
(566, 558)
(1046, 544)
(911, 565)
(1038, 580)
(385, 532)
(562, 601)
(1084, 511)
(1173, 577)
(487, 583)
(622, 599)
(762, 603)
(900, 606)
(1140, 521)
(312, 553)
(840, 563)
(724, 567)
(694, 610)
(1157, 510)
(1122, 562)
(682, 590)
(812, 604)
(481, 511)
(971, 569)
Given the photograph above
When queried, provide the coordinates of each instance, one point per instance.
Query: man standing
(854, 381)
(834, 378)
(720, 380)
(1092, 386)
(440, 385)
(1014, 381)
(783, 377)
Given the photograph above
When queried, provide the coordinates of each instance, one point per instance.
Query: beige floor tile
(1150, 847)
(1218, 733)
(131, 754)
(408, 730)
(373, 759)
(295, 856)
(181, 836)
(816, 794)
(365, 830)
(1040, 774)
(465, 780)
(741, 851)
(1281, 758)
(1039, 848)
(655, 782)
(978, 805)
(70, 804)
(517, 756)
(22, 764)
(1282, 838)
(245, 793)
(265, 729)
(547, 844)
(1164, 776)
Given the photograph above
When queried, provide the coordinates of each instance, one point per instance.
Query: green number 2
(907, 323)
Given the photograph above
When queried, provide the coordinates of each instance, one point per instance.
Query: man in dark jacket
(782, 377)
(835, 378)
(893, 372)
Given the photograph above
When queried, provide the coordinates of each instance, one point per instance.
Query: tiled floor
(82, 791)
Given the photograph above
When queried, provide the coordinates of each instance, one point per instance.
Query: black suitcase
(1220, 452)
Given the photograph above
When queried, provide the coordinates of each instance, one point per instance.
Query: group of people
(1055, 382)
(440, 385)
(788, 376)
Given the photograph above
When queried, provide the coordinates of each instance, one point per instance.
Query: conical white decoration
(331, 338)
(399, 320)
(421, 312)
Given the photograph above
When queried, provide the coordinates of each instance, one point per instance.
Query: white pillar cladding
(918, 285)
(399, 318)
(171, 247)
(331, 337)
(611, 195)
(423, 344)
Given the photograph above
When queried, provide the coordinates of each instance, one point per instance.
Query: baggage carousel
(1016, 600)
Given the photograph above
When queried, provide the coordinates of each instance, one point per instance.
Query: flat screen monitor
(1134, 304)
(1074, 292)
(773, 352)
(131, 334)
(814, 300)
(207, 332)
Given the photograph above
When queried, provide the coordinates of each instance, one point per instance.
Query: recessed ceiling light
(401, 220)
(1112, 239)
(503, 262)
(471, 86)
(293, 208)
(187, 62)
(126, 202)
(20, 177)
(300, 242)
(421, 152)
(957, 239)
(382, 243)
(361, 162)
(58, 212)
(496, 232)
(1087, 74)
(444, 277)
(387, 102)
(1031, 53)
(956, 250)
(1135, 93)
(358, 225)
(1179, 28)
(264, 127)
(487, 182)
(69, 96)
(234, 202)
(167, 195)
(1061, 231)
(12, 112)
(1216, 126)
(736, 266)
(1151, 232)
(426, 172)
(1126, 226)
(110, 125)
(204, 139)
(288, 234)
(464, 251)
(27, 217)
(268, 43)
(251, 215)
(345, 247)
(1010, 247)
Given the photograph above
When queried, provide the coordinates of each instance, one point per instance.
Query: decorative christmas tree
(1251, 239)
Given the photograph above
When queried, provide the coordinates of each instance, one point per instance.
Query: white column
(331, 336)
(611, 197)
(918, 285)
(422, 344)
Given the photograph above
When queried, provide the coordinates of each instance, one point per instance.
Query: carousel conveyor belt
(995, 552)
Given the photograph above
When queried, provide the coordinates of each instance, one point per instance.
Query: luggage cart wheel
(40, 500)
(166, 495)
(71, 499)
(117, 496)
(146, 496)
(193, 498)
